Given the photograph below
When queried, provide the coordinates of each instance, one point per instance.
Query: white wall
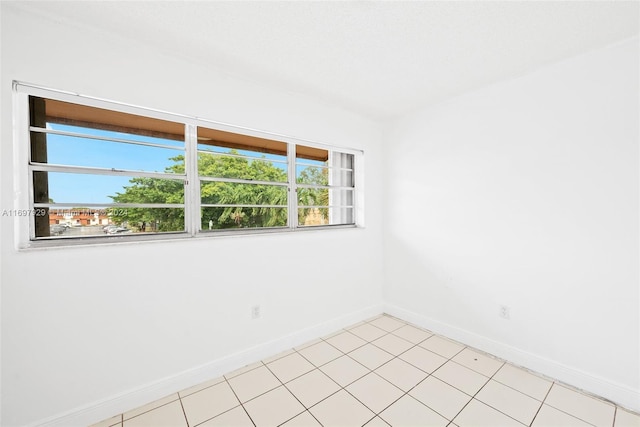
(525, 194)
(80, 325)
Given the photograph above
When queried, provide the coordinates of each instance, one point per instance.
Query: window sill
(166, 237)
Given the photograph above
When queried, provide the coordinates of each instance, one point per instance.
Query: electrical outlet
(505, 312)
(255, 312)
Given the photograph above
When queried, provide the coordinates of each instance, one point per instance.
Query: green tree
(313, 196)
(154, 190)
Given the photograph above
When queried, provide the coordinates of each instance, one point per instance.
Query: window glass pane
(340, 197)
(252, 205)
(97, 189)
(224, 218)
(321, 197)
(87, 152)
(230, 193)
(229, 155)
(332, 205)
(322, 167)
(312, 175)
(343, 160)
(92, 222)
(146, 220)
(341, 178)
(220, 162)
(313, 196)
(325, 216)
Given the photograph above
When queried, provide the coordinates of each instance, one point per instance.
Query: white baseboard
(619, 394)
(103, 409)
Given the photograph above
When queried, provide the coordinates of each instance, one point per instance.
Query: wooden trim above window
(252, 143)
(98, 118)
(240, 142)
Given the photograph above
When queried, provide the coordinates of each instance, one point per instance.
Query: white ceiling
(380, 59)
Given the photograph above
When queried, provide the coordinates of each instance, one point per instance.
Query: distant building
(79, 217)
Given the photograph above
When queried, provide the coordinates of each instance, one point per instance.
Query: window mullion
(192, 184)
(293, 187)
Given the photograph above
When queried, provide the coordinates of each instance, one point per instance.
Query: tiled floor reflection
(382, 372)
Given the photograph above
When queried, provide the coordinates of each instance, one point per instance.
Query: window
(97, 172)
(325, 187)
(102, 170)
(244, 181)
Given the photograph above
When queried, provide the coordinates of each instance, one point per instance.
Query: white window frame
(23, 185)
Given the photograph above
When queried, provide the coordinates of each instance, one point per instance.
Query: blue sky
(65, 150)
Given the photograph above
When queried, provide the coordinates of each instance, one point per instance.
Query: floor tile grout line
(354, 360)
(275, 359)
(152, 409)
(374, 344)
(538, 411)
(515, 389)
(308, 408)
(412, 388)
(248, 415)
(202, 389)
(261, 394)
(470, 400)
(238, 399)
(255, 397)
(327, 341)
(474, 397)
(216, 416)
(318, 366)
(571, 415)
(297, 415)
(585, 393)
(377, 414)
(242, 367)
(562, 410)
(520, 391)
(290, 392)
(183, 411)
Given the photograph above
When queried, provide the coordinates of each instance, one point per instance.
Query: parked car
(119, 230)
(107, 228)
(57, 229)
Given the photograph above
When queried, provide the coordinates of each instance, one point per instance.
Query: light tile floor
(379, 372)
